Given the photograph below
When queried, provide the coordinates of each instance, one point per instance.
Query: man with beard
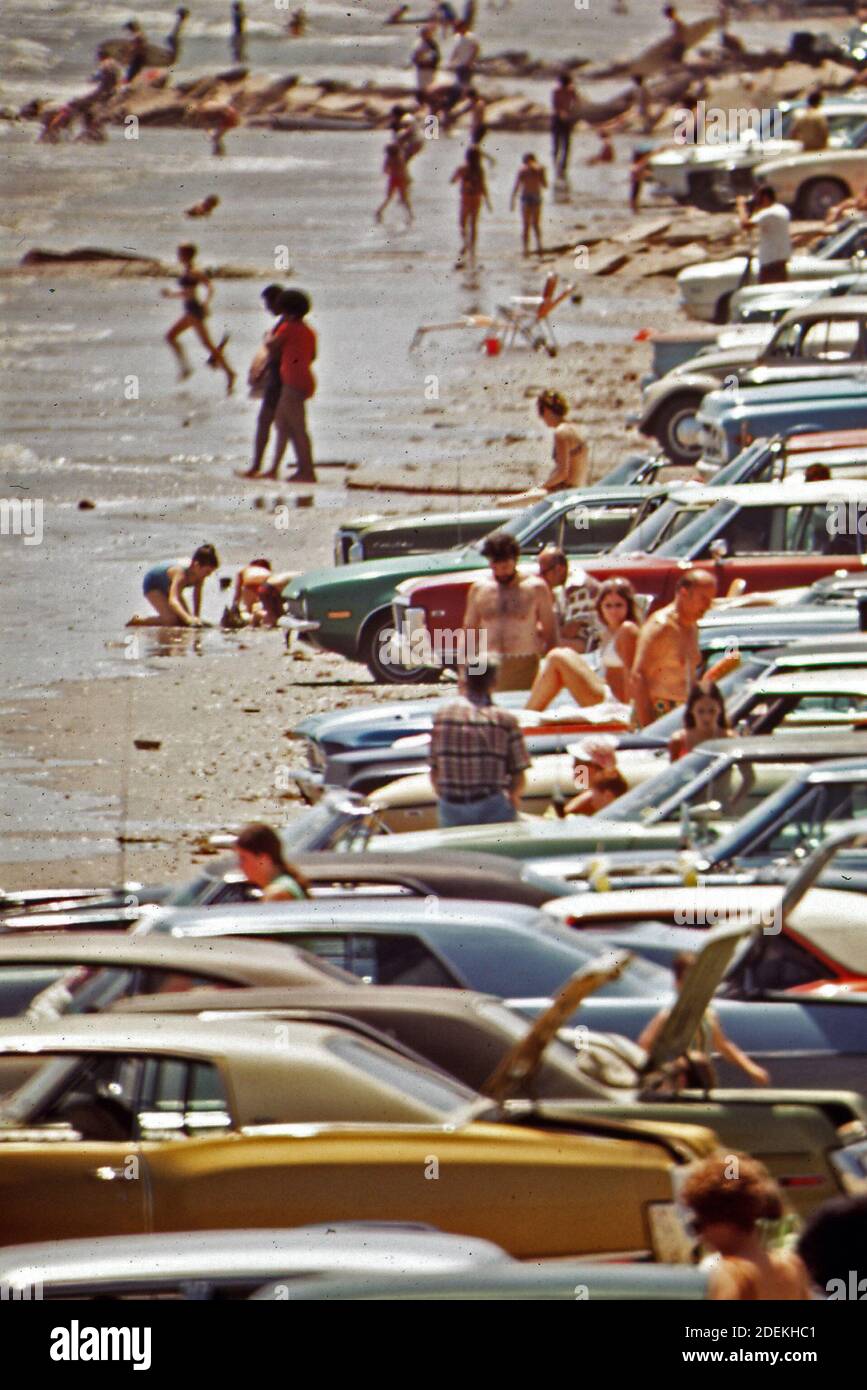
(513, 614)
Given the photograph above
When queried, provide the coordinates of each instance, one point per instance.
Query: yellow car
(131, 1124)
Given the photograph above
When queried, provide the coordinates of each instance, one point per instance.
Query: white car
(706, 290)
(689, 172)
(762, 305)
(810, 184)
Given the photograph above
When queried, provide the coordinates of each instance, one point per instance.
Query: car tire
(817, 196)
(384, 671)
(671, 428)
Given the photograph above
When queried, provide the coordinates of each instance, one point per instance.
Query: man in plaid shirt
(477, 755)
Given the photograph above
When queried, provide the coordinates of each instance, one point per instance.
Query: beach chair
(529, 316)
(525, 316)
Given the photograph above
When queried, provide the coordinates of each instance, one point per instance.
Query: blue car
(730, 419)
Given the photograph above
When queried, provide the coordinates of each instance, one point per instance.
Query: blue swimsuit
(158, 578)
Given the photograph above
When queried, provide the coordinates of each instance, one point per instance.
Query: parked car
(691, 173)
(816, 799)
(221, 1265)
(347, 608)
(770, 537)
(56, 974)
(493, 948)
(758, 305)
(476, 1038)
(706, 289)
(220, 882)
(558, 1280)
(378, 537)
(813, 183)
(789, 455)
(827, 613)
(816, 343)
(361, 768)
(728, 797)
(728, 420)
(257, 1125)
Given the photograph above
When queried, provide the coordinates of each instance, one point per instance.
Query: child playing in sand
(163, 587)
(605, 153)
(397, 181)
(530, 182)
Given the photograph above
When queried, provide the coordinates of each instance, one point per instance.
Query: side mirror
(719, 550)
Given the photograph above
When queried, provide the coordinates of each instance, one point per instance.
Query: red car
(771, 536)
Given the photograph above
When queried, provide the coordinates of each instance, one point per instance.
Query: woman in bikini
(474, 191)
(604, 673)
(530, 183)
(704, 717)
(194, 315)
(571, 463)
(397, 180)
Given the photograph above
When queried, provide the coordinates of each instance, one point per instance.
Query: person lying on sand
(203, 208)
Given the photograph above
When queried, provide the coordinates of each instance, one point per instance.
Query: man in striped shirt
(477, 755)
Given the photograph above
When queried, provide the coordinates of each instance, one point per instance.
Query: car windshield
(692, 528)
(644, 537)
(644, 802)
(745, 465)
(520, 523)
(798, 817)
(836, 246)
(315, 827)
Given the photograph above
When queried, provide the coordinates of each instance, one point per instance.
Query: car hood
(349, 577)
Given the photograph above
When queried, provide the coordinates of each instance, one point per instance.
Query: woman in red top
(296, 344)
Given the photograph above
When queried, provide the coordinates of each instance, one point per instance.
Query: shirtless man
(668, 657)
(514, 611)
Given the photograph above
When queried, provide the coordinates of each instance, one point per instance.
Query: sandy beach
(156, 469)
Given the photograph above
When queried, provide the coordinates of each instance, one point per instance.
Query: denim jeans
(490, 809)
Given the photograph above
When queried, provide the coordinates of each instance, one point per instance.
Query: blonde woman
(571, 460)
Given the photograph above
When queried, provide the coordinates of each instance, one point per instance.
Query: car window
(752, 531)
(588, 532)
(179, 1097)
(772, 963)
(379, 959)
(787, 341)
(435, 1089)
(832, 340)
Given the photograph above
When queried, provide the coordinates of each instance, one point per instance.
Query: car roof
(798, 745)
(367, 912)
(828, 308)
(831, 681)
(350, 1247)
(661, 903)
(268, 961)
(771, 494)
(163, 1033)
(423, 999)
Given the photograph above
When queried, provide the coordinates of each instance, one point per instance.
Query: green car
(347, 608)
(378, 537)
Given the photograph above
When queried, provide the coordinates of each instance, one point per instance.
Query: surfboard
(657, 57)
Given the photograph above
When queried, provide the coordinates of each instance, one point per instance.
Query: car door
(55, 1186)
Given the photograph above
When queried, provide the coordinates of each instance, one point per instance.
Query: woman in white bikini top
(605, 673)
